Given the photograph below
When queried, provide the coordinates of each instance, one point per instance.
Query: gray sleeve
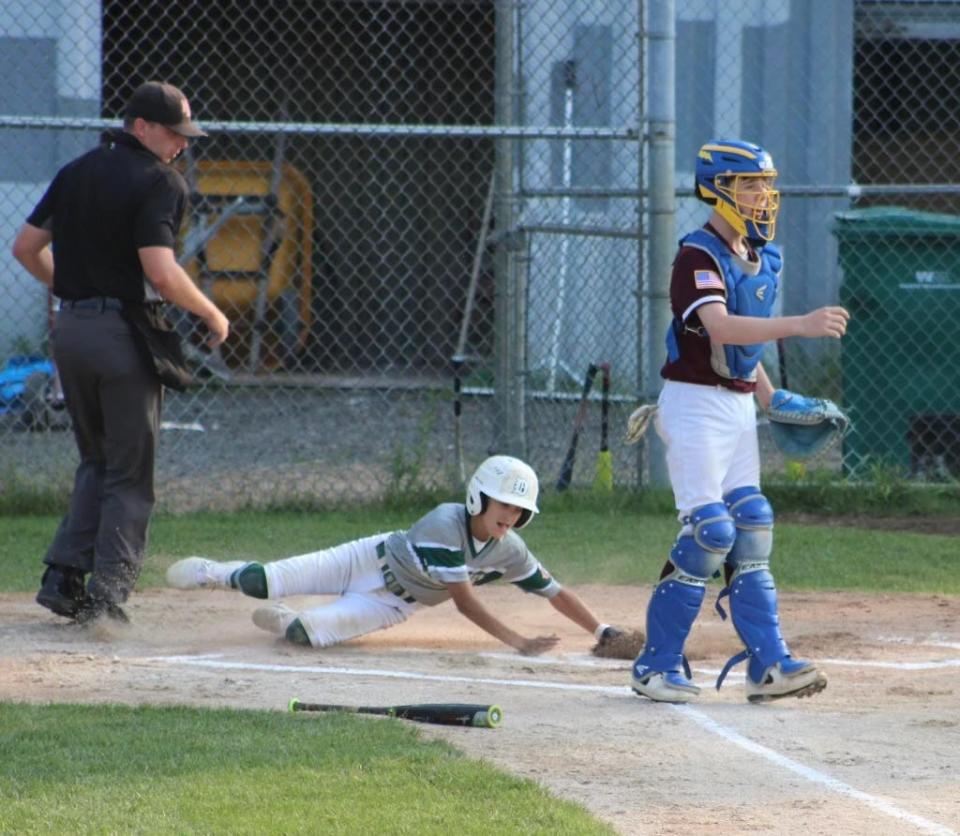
(522, 569)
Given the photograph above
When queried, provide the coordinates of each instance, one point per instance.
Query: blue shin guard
(670, 616)
(771, 672)
(661, 672)
(753, 607)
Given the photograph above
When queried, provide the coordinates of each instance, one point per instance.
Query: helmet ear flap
(711, 188)
(476, 498)
(706, 196)
(525, 516)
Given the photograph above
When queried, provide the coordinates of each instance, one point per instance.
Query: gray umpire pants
(114, 399)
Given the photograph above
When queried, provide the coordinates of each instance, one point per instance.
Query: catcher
(383, 579)
(724, 284)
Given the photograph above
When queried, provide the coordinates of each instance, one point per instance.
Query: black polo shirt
(101, 208)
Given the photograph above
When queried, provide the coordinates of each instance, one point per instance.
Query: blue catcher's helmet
(736, 178)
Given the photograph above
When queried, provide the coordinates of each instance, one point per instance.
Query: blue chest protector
(747, 295)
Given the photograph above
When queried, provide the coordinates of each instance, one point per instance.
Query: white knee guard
(753, 517)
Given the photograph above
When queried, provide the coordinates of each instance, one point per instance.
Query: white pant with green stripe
(350, 571)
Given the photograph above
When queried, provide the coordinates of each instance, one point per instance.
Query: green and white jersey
(439, 549)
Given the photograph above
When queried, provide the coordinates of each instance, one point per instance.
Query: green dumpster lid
(895, 220)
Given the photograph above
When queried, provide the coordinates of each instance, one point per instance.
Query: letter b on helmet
(505, 479)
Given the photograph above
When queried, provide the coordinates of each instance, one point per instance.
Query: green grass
(579, 542)
(619, 547)
(116, 769)
(260, 535)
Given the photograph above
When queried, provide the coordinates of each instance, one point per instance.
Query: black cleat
(90, 609)
(61, 590)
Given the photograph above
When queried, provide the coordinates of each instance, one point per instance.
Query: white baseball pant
(711, 437)
(351, 571)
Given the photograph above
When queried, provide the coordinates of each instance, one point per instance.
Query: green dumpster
(901, 355)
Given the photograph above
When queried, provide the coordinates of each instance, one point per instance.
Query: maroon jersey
(696, 280)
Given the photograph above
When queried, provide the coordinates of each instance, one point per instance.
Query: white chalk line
(933, 641)
(573, 660)
(703, 720)
(813, 775)
(897, 666)
(378, 672)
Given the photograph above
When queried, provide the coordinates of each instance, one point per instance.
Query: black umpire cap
(157, 101)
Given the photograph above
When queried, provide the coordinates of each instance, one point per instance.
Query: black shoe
(90, 609)
(61, 590)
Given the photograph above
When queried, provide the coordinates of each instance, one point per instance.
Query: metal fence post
(509, 436)
(660, 136)
(642, 236)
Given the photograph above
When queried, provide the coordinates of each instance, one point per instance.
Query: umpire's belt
(94, 303)
(389, 579)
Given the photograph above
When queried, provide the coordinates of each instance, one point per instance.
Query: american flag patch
(707, 280)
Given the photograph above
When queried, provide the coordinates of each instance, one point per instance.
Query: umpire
(113, 216)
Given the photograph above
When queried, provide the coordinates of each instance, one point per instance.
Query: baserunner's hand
(538, 645)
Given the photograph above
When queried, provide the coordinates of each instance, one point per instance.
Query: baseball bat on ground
(603, 479)
(444, 714)
(566, 470)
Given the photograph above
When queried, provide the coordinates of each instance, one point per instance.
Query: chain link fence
(427, 221)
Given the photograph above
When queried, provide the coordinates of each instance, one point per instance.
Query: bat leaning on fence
(566, 469)
(603, 480)
(444, 713)
(458, 419)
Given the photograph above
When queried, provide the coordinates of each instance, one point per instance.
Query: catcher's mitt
(638, 422)
(619, 644)
(802, 427)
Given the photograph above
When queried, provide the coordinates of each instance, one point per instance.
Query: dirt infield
(878, 752)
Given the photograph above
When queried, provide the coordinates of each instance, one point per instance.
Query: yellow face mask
(749, 203)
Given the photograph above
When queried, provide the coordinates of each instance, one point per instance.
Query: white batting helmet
(508, 480)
